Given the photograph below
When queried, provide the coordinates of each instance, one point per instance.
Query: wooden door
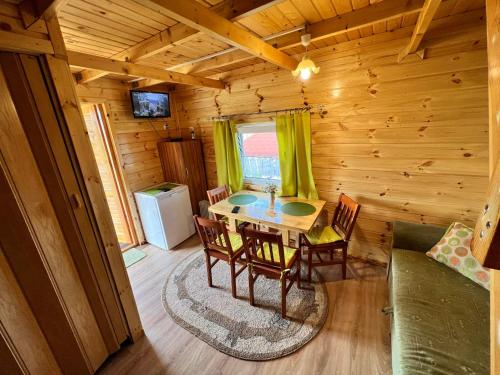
(195, 173)
(110, 173)
(48, 238)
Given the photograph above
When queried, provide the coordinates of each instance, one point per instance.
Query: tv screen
(150, 104)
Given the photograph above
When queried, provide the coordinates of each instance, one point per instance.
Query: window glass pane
(259, 155)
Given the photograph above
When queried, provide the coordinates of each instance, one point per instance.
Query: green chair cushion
(440, 318)
(323, 235)
(288, 252)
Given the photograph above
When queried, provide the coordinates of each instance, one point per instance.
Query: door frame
(101, 111)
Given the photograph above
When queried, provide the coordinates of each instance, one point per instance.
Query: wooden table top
(258, 212)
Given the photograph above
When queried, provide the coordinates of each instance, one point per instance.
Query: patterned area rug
(234, 327)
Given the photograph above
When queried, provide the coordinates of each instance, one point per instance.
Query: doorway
(103, 147)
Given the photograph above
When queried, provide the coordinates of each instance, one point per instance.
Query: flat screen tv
(150, 104)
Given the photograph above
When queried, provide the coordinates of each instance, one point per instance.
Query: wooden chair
(332, 238)
(216, 195)
(222, 245)
(266, 255)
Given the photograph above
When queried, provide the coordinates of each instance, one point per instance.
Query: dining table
(289, 214)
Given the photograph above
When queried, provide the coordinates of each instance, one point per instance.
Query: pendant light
(306, 66)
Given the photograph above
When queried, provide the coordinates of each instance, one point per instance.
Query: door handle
(187, 173)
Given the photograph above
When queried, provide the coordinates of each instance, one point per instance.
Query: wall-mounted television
(147, 104)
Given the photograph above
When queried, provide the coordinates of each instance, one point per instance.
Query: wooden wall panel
(409, 141)
(135, 139)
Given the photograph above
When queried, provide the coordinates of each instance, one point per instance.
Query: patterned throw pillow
(454, 251)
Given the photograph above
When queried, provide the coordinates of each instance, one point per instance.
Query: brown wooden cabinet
(182, 162)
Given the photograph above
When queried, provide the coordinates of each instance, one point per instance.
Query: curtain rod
(305, 108)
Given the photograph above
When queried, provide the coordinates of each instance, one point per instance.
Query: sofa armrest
(417, 237)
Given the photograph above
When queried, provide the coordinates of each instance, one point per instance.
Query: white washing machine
(166, 214)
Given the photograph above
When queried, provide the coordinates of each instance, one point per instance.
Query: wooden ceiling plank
(179, 33)
(424, 20)
(86, 23)
(108, 23)
(120, 67)
(336, 26)
(145, 8)
(108, 15)
(70, 33)
(109, 6)
(194, 15)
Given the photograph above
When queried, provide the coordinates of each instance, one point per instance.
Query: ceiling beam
(32, 10)
(193, 14)
(424, 20)
(130, 69)
(367, 16)
(180, 33)
(15, 42)
(233, 10)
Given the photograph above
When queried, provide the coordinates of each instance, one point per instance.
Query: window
(259, 153)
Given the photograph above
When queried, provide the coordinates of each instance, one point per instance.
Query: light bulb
(305, 74)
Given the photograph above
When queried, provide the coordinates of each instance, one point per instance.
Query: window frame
(253, 128)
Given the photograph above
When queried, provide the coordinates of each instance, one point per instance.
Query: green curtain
(294, 142)
(227, 155)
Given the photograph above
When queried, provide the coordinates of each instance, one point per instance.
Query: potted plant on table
(271, 189)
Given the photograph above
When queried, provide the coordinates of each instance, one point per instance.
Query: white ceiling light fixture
(306, 66)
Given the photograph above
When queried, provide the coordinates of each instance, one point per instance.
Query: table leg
(286, 237)
(232, 225)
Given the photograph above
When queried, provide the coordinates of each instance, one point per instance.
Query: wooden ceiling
(110, 28)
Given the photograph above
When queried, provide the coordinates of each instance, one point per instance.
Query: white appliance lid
(165, 188)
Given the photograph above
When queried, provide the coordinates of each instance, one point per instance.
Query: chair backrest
(345, 216)
(216, 195)
(213, 234)
(259, 246)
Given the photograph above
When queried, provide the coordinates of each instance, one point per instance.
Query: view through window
(259, 153)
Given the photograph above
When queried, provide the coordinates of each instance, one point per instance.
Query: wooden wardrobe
(182, 163)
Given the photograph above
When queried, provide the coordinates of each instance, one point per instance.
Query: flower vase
(272, 198)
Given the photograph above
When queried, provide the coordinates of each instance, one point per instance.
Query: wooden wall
(409, 141)
(135, 139)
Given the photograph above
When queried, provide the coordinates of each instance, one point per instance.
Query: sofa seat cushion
(441, 318)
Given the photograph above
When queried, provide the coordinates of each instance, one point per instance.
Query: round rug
(298, 209)
(233, 326)
(242, 199)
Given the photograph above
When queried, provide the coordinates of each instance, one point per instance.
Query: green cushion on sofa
(440, 318)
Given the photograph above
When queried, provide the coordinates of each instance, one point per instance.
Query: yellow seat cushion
(323, 235)
(234, 239)
(287, 251)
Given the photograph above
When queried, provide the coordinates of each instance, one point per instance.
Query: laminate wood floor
(354, 340)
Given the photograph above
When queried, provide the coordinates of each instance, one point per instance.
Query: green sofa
(439, 318)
